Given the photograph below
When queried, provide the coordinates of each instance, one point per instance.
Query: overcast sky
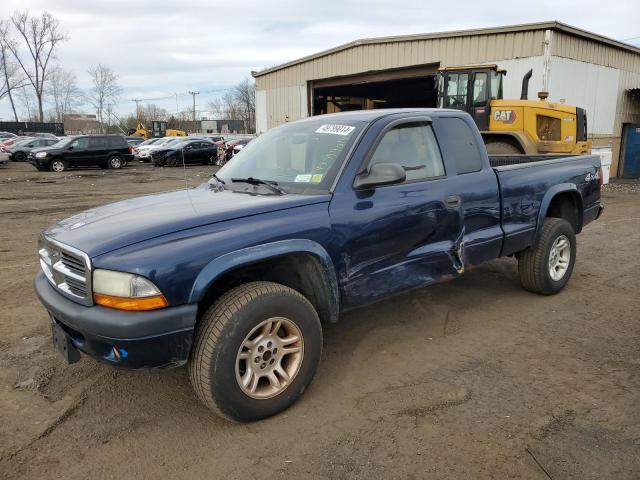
(164, 47)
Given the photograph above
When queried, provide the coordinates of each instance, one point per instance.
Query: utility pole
(137, 100)
(193, 113)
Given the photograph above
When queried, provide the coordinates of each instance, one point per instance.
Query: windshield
(63, 142)
(301, 157)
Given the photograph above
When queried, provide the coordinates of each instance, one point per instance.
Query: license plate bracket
(63, 344)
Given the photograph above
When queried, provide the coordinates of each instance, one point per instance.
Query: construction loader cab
(470, 89)
(513, 126)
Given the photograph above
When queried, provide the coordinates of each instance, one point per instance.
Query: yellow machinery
(159, 130)
(513, 126)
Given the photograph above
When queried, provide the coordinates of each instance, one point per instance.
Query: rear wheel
(547, 266)
(115, 162)
(502, 148)
(58, 165)
(256, 351)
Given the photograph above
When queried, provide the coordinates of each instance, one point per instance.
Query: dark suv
(104, 151)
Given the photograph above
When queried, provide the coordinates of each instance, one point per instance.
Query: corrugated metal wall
(286, 89)
(462, 50)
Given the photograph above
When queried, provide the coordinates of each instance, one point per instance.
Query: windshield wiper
(219, 179)
(273, 186)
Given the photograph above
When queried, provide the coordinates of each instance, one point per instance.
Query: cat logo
(504, 116)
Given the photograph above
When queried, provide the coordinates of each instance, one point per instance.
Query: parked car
(229, 146)
(237, 277)
(189, 152)
(19, 151)
(144, 151)
(4, 135)
(9, 141)
(40, 134)
(105, 151)
(134, 141)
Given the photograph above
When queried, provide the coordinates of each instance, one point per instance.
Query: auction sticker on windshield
(335, 129)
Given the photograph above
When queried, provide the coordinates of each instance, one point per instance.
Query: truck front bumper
(154, 339)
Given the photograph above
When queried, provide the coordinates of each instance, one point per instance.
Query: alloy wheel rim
(559, 257)
(58, 166)
(115, 162)
(269, 358)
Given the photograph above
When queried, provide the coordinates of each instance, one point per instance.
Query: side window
(462, 144)
(80, 143)
(98, 142)
(116, 142)
(413, 146)
(480, 91)
(456, 95)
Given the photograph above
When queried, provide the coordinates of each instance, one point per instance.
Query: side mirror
(380, 174)
(70, 147)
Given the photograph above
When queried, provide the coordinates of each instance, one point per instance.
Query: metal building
(581, 68)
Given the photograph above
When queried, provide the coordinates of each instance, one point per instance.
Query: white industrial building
(596, 73)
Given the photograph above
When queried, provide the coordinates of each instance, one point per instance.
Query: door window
(80, 143)
(414, 147)
(98, 142)
(456, 94)
(480, 90)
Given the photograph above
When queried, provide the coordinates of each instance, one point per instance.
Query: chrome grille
(67, 269)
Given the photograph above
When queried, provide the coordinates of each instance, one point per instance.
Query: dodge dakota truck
(236, 277)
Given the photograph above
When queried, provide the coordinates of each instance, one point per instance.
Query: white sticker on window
(336, 129)
(306, 178)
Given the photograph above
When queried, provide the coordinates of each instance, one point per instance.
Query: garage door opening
(403, 88)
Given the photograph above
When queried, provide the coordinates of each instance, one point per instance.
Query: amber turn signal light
(132, 304)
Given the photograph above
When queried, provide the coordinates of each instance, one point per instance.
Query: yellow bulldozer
(513, 126)
(159, 130)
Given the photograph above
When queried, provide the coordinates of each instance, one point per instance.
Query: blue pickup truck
(236, 277)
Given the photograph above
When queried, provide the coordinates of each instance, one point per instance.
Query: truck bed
(528, 182)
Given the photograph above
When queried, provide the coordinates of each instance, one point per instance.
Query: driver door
(78, 151)
(401, 236)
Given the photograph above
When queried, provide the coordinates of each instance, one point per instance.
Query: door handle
(453, 201)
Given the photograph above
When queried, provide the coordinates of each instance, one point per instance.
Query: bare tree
(239, 103)
(64, 93)
(105, 91)
(39, 36)
(245, 97)
(29, 105)
(11, 80)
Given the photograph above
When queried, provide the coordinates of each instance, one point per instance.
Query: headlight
(41, 154)
(126, 291)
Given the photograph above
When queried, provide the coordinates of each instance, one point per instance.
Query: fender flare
(548, 198)
(245, 256)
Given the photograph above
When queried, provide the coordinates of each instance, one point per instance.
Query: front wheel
(256, 351)
(546, 267)
(58, 165)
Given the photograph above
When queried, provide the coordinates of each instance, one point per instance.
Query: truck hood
(117, 225)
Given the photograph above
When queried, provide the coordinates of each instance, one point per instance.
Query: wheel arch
(562, 201)
(517, 139)
(301, 264)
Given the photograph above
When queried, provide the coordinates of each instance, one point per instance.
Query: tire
(115, 162)
(58, 165)
(171, 161)
(502, 148)
(215, 367)
(19, 157)
(535, 263)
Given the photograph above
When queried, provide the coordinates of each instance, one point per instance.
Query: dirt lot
(471, 379)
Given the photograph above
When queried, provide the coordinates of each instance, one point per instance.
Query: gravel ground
(474, 378)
